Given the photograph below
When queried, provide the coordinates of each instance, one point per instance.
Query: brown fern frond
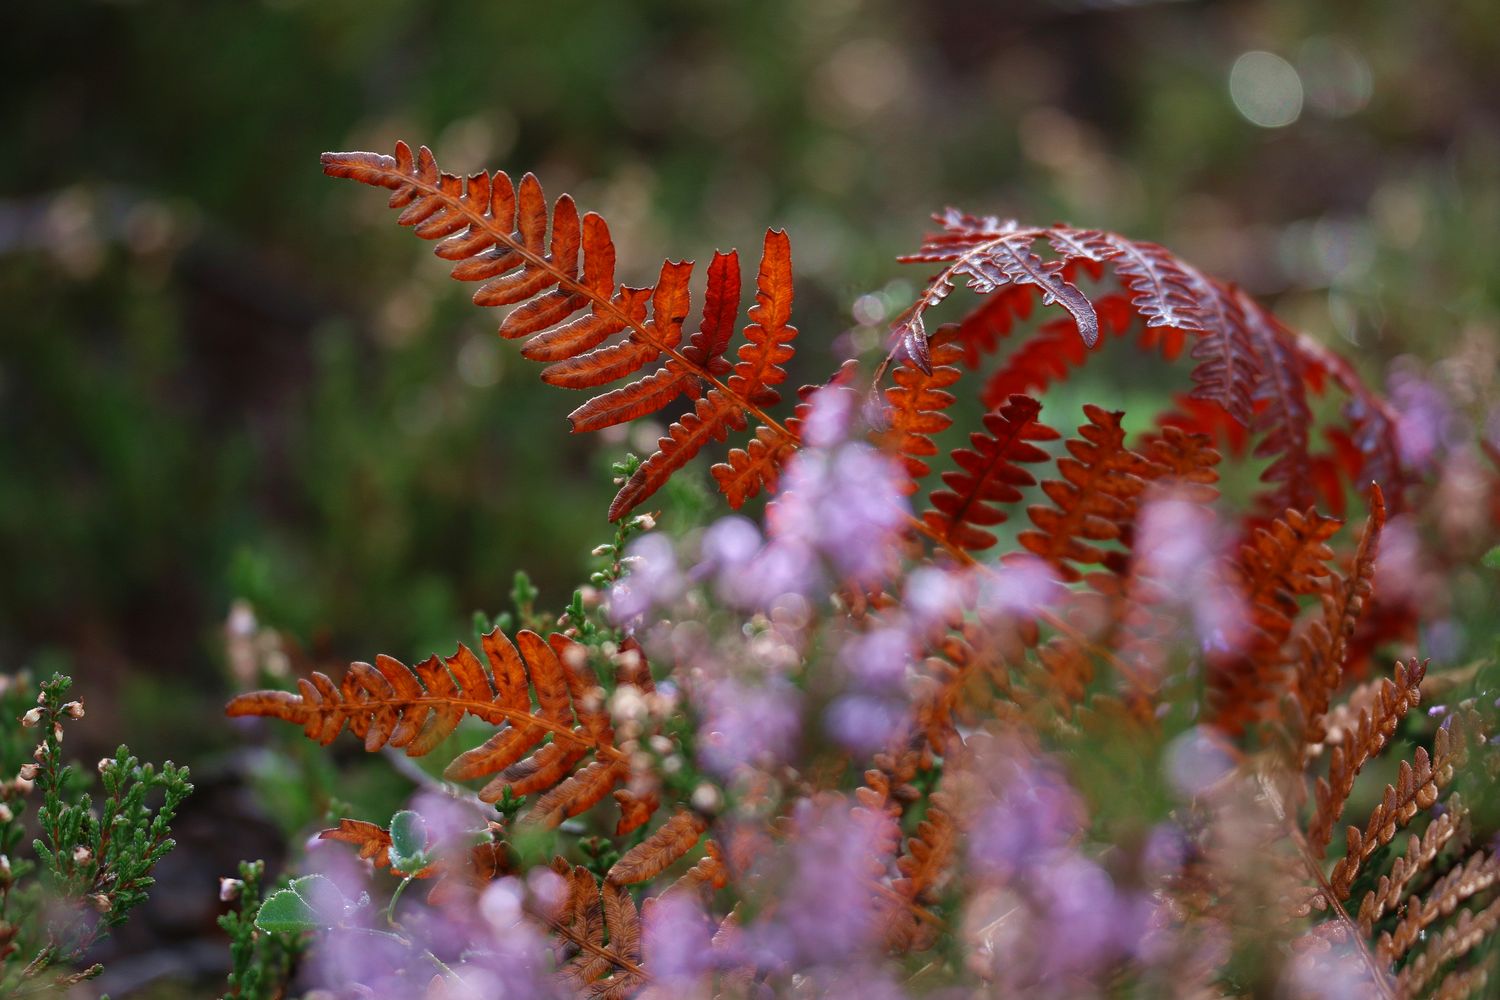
(988, 475)
(598, 968)
(1479, 873)
(536, 749)
(1093, 499)
(1389, 893)
(1279, 564)
(668, 844)
(923, 865)
(498, 232)
(1324, 647)
(1453, 943)
(1372, 732)
(1417, 785)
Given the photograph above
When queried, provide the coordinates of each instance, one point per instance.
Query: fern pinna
(1072, 635)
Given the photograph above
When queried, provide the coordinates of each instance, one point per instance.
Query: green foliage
(93, 864)
(309, 903)
(261, 961)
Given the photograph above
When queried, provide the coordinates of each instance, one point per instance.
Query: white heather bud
(645, 522)
(229, 889)
(104, 763)
(23, 785)
(31, 718)
(5, 814)
(74, 709)
(4, 867)
(57, 731)
(28, 772)
(661, 744)
(100, 901)
(40, 753)
(706, 799)
(602, 550)
(82, 855)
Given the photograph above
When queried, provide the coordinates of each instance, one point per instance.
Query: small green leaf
(309, 903)
(408, 841)
(1491, 559)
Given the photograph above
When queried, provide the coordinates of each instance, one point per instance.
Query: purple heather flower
(1195, 761)
(744, 724)
(1034, 813)
(653, 578)
(845, 503)
(1017, 589)
(865, 723)
(823, 910)
(679, 938)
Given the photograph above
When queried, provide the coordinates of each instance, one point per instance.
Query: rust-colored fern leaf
(1279, 564)
(1324, 646)
(537, 749)
(562, 289)
(669, 843)
(1092, 501)
(1368, 738)
(483, 863)
(987, 475)
(915, 411)
(596, 967)
(1052, 352)
(1248, 364)
(1417, 785)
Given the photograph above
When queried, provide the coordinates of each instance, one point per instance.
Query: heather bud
(31, 718)
(82, 855)
(104, 763)
(100, 902)
(706, 799)
(4, 868)
(27, 773)
(5, 814)
(229, 889)
(74, 709)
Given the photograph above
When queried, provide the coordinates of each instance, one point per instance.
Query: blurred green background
(223, 376)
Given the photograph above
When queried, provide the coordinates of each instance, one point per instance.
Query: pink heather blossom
(1032, 812)
(1427, 425)
(652, 578)
(865, 723)
(1196, 760)
(678, 936)
(1180, 548)
(747, 724)
(1017, 589)
(845, 504)
(820, 908)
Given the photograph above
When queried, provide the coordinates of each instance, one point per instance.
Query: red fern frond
(987, 475)
(915, 411)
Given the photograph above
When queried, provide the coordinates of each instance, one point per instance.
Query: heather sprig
(94, 863)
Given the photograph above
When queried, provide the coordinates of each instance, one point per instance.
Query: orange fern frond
(1279, 564)
(497, 232)
(915, 411)
(669, 843)
(1324, 647)
(1093, 499)
(536, 749)
(987, 475)
(483, 863)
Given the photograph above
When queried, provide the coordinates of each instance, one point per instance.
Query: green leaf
(408, 841)
(1491, 559)
(309, 903)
